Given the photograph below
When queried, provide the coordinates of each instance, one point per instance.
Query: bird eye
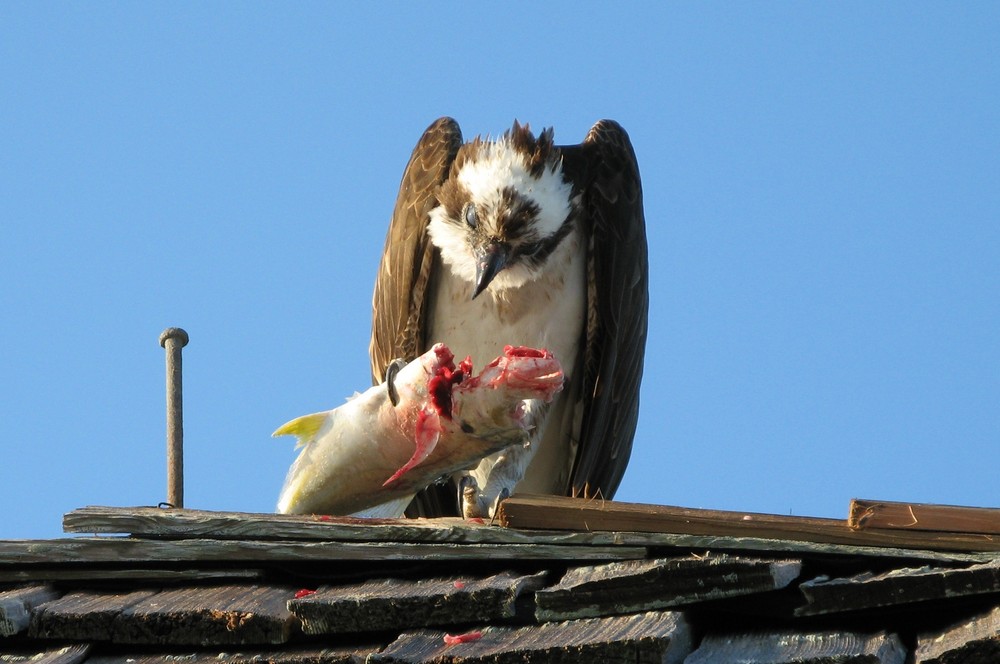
(470, 215)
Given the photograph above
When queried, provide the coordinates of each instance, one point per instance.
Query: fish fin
(425, 435)
(305, 428)
(392, 509)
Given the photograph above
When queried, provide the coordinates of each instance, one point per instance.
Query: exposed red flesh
(440, 385)
(528, 369)
(454, 640)
(525, 351)
(523, 368)
(444, 354)
(305, 592)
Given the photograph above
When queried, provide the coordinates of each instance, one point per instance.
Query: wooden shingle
(16, 606)
(898, 586)
(382, 604)
(83, 615)
(213, 615)
(643, 585)
(230, 614)
(71, 654)
(642, 638)
(972, 641)
(800, 647)
(342, 654)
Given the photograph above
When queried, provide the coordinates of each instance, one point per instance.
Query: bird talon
(390, 379)
(502, 496)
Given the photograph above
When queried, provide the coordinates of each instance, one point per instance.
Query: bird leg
(473, 501)
(390, 379)
(468, 497)
(481, 498)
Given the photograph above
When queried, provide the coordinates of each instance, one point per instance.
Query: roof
(149, 584)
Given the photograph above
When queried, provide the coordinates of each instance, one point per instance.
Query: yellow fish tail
(305, 428)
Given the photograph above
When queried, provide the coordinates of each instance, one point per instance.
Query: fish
(370, 456)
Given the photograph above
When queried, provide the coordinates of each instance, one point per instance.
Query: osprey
(517, 241)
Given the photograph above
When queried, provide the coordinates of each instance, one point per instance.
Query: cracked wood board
(660, 637)
(384, 604)
(643, 585)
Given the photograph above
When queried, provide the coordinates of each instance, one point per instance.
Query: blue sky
(822, 196)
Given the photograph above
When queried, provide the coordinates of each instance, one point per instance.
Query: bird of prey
(516, 240)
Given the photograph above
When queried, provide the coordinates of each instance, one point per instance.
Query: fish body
(369, 452)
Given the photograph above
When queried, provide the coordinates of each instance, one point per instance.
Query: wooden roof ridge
(178, 523)
(595, 515)
(546, 523)
(884, 514)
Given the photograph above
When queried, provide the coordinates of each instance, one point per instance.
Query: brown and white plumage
(553, 253)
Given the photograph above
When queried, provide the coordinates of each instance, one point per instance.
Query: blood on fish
(439, 387)
(509, 370)
(459, 585)
(454, 640)
(425, 436)
(441, 384)
(428, 426)
(443, 353)
(305, 592)
(524, 351)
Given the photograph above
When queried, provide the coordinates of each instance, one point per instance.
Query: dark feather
(605, 171)
(398, 306)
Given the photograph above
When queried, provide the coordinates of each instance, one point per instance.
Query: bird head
(503, 210)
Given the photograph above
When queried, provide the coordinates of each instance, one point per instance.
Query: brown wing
(605, 171)
(398, 305)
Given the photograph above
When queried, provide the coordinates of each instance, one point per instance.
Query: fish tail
(305, 428)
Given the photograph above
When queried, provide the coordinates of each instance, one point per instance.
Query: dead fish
(370, 453)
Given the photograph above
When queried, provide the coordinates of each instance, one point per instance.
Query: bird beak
(490, 260)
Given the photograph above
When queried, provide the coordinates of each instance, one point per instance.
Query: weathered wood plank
(347, 654)
(972, 641)
(173, 523)
(643, 585)
(660, 637)
(384, 604)
(186, 523)
(557, 512)
(35, 574)
(213, 615)
(800, 648)
(82, 615)
(230, 614)
(16, 606)
(72, 654)
(895, 587)
(146, 551)
(923, 516)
